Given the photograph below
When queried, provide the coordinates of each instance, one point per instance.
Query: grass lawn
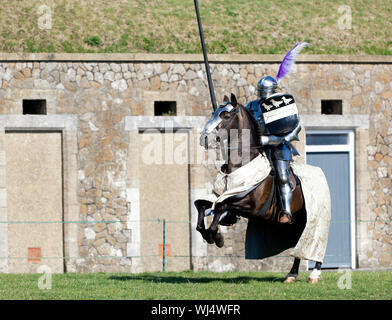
(170, 26)
(190, 285)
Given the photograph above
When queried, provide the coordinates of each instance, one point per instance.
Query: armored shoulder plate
(280, 113)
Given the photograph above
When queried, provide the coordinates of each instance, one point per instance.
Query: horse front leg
(202, 206)
(213, 230)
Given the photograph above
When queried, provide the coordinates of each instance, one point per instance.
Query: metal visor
(215, 119)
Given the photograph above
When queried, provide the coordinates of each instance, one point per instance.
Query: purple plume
(289, 60)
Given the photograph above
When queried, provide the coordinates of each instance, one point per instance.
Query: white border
(133, 224)
(350, 148)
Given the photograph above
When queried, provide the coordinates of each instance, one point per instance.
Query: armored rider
(278, 117)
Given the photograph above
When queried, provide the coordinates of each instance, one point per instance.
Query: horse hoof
(219, 241)
(314, 276)
(314, 280)
(208, 237)
(210, 240)
(289, 280)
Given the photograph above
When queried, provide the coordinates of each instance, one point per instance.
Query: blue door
(331, 152)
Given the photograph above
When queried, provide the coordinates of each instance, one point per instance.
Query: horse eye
(225, 115)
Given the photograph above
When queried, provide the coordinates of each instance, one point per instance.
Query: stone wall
(102, 90)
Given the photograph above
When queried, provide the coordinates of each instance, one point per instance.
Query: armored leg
(282, 168)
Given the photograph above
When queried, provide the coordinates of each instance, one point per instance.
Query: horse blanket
(307, 238)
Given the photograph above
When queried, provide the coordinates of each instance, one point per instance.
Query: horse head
(224, 118)
(230, 115)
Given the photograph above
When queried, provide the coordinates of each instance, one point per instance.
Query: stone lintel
(38, 122)
(135, 123)
(335, 122)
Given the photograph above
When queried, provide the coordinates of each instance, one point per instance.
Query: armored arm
(293, 135)
(272, 140)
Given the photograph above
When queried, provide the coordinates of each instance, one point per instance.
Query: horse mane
(253, 122)
(257, 132)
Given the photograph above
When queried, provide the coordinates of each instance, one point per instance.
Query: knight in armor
(277, 115)
(281, 149)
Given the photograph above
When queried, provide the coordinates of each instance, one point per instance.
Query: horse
(234, 116)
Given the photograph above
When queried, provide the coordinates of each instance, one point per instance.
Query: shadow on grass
(201, 279)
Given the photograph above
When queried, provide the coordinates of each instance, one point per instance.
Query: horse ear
(233, 100)
(225, 98)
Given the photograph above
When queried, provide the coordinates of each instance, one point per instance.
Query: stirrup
(285, 217)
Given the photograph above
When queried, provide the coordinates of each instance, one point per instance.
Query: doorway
(164, 194)
(333, 152)
(34, 201)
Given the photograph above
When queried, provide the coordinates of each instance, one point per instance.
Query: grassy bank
(198, 286)
(169, 26)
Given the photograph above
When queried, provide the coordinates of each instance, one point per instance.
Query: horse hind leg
(314, 276)
(293, 274)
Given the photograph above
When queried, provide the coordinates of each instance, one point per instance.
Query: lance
(210, 85)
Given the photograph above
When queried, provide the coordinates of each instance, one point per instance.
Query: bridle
(215, 120)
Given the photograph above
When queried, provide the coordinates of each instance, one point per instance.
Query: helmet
(266, 86)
